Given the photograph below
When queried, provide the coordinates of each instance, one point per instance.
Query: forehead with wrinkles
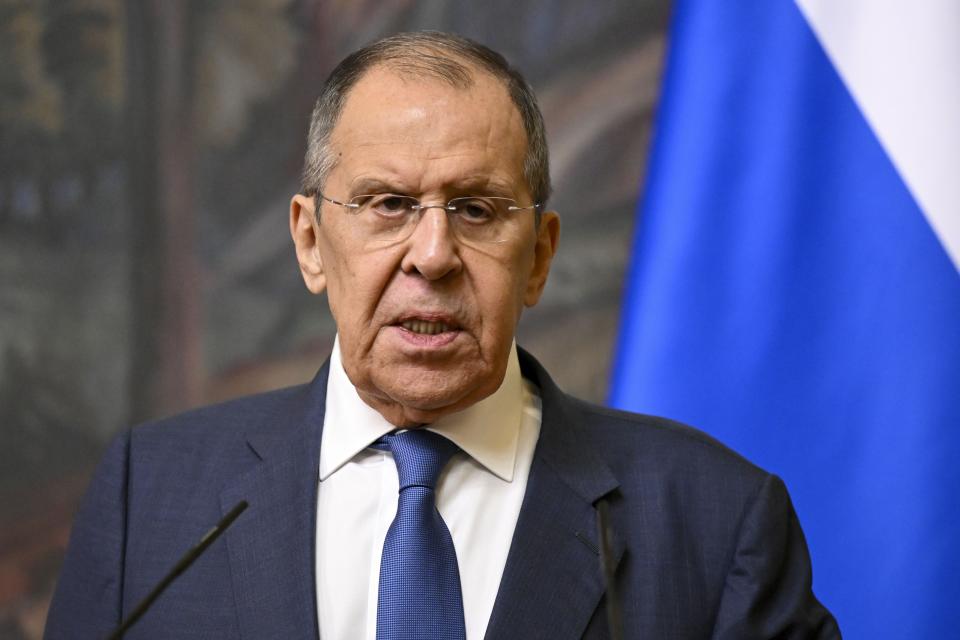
(393, 118)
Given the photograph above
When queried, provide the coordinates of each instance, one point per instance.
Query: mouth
(426, 327)
(428, 330)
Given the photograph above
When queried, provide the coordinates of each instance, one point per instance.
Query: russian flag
(795, 288)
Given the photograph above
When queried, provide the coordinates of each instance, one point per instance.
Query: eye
(390, 204)
(475, 210)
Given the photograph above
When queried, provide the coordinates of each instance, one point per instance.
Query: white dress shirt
(479, 496)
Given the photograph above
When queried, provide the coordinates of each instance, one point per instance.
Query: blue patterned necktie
(420, 596)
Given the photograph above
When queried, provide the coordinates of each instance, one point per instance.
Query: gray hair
(424, 53)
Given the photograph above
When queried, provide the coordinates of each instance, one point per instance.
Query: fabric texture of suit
(706, 544)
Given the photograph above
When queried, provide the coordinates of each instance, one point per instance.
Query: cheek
(500, 296)
(521, 268)
(355, 284)
(335, 286)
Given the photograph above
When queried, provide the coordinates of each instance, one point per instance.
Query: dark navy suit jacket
(706, 544)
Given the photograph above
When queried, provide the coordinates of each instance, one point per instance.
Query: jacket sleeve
(768, 590)
(87, 602)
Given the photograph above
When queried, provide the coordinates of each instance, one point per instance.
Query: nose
(432, 251)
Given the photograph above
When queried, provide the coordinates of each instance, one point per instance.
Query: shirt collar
(487, 431)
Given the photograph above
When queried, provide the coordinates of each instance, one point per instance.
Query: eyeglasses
(388, 217)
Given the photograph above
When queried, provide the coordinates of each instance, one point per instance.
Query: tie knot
(420, 456)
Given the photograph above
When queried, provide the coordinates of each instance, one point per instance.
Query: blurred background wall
(148, 151)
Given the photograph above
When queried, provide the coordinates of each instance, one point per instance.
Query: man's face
(426, 323)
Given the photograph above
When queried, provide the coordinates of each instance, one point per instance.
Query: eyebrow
(482, 186)
(365, 186)
(473, 185)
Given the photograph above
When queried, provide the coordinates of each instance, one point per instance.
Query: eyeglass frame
(420, 206)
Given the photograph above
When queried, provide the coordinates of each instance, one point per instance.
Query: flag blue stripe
(788, 296)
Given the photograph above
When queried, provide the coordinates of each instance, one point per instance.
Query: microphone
(614, 613)
(182, 565)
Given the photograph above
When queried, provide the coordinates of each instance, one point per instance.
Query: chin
(424, 392)
(428, 401)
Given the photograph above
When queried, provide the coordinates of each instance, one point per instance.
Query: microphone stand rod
(614, 612)
(181, 566)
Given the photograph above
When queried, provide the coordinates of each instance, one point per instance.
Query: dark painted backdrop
(148, 150)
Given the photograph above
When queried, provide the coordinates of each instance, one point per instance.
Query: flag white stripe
(901, 62)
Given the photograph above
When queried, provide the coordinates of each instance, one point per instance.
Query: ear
(548, 237)
(303, 229)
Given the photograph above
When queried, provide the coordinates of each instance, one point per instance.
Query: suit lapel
(271, 545)
(552, 582)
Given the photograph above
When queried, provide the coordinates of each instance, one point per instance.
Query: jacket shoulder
(645, 449)
(626, 439)
(224, 420)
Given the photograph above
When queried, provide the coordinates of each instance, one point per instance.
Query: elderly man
(432, 481)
